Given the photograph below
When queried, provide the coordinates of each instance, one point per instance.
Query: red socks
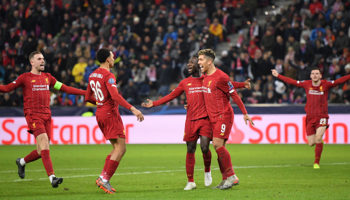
(105, 166)
(222, 170)
(207, 161)
(32, 156)
(112, 165)
(45, 156)
(190, 160)
(318, 152)
(225, 160)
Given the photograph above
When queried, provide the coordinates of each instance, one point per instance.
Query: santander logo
(236, 135)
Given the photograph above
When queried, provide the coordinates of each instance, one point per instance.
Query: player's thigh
(319, 133)
(205, 128)
(191, 130)
(311, 123)
(311, 140)
(36, 124)
(111, 126)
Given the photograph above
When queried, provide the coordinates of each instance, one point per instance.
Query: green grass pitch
(158, 172)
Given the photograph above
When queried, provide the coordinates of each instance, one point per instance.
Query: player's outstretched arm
(175, 93)
(137, 113)
(11, 86)
(147, 104)
(246, 84)
(7, 88)
(71, 90)
(246, 118)
(341, 80)
(286, 79)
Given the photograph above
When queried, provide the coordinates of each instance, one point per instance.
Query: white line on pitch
(170, 171)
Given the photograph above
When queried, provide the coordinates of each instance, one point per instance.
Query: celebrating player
(103, 90)
(197, 122)
(316, 107)
(217, 89)
(36, 96)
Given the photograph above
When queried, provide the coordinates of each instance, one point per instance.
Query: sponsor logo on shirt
(192, 90)
(40, 87)
(316, 92)
(206, 89)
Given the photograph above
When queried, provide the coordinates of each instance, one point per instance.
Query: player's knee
(205, 149)
(191, 149)
(311, 144)
(217, 145)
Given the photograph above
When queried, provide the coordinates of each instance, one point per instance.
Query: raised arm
(286, 79)
(340, 80)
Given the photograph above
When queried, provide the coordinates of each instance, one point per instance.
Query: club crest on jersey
(189, 84)
(33, 81)
(209, 83)
(111, 81)
(47, 80)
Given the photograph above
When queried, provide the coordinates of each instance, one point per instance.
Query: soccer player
(103, 91)
(36, 86)
(217, 89)
(316, 106)
(197, 122)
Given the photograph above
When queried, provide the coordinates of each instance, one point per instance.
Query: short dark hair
(315, 68)
(102, 55)
(31, 55)
(207, 52)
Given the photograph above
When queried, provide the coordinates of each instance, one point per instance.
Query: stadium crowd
(153, 40)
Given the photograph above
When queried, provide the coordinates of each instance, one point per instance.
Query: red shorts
(195, 128)
(38, 124)
(111, 125)
(312, 123)
(222, 128)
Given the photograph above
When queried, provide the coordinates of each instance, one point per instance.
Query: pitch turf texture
(158, 172)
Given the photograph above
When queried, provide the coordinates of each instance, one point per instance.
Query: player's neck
(104, 66)
(316, 83)
(36, 72)
(211, 70)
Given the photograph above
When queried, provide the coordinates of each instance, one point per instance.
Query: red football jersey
(102, 85)
(217, 89)
(194, 93)
(316, 96)
(36, 91)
